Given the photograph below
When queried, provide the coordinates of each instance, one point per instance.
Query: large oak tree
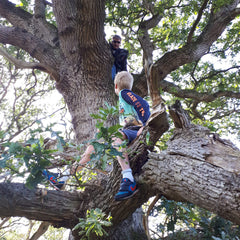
(66, 39)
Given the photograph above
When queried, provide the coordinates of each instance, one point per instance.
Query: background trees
(183, 50)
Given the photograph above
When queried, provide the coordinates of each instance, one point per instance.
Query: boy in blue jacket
(133, 114)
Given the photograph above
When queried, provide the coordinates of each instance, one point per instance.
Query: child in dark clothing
(133, 115)
(120, 56)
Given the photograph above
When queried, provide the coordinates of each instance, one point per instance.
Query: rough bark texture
(198, 167)
(130, 229)
(183, 172)
(17, 200)
(85, 79)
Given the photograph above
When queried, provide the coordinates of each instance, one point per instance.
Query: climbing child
(133, 115)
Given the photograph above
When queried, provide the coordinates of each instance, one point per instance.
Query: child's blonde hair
(124, 80)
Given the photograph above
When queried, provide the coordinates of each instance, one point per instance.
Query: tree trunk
(85, 70)
(84, 96)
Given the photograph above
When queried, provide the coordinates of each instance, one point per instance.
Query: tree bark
(85, 79)
(59, 208)
(198, 167)
(188, 171)
(75, 54)
(130, 229)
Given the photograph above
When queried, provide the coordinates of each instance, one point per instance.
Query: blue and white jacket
(133, 109)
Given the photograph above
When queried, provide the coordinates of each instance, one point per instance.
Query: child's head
(123, 80)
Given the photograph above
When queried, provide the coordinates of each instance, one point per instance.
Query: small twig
(189, 39)
(20, 63)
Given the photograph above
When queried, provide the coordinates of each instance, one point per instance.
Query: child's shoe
(52, 178)
(127, 190)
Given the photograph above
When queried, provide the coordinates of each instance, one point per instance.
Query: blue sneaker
(127, 190)
(52, 178)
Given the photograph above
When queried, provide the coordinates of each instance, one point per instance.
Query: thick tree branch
(188, 93)
(34, 24)
(149, 6)
(145, 41)
(193, 163)
(199, 168)
(15, 15)
(39, 8)
(140, 86)
(17, 200)
(33, 34)
(38, 49)
(180, 117)
(148, 46)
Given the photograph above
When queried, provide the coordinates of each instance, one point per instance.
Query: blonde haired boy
(133, 115)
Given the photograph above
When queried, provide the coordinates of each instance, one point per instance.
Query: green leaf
(98, 147)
